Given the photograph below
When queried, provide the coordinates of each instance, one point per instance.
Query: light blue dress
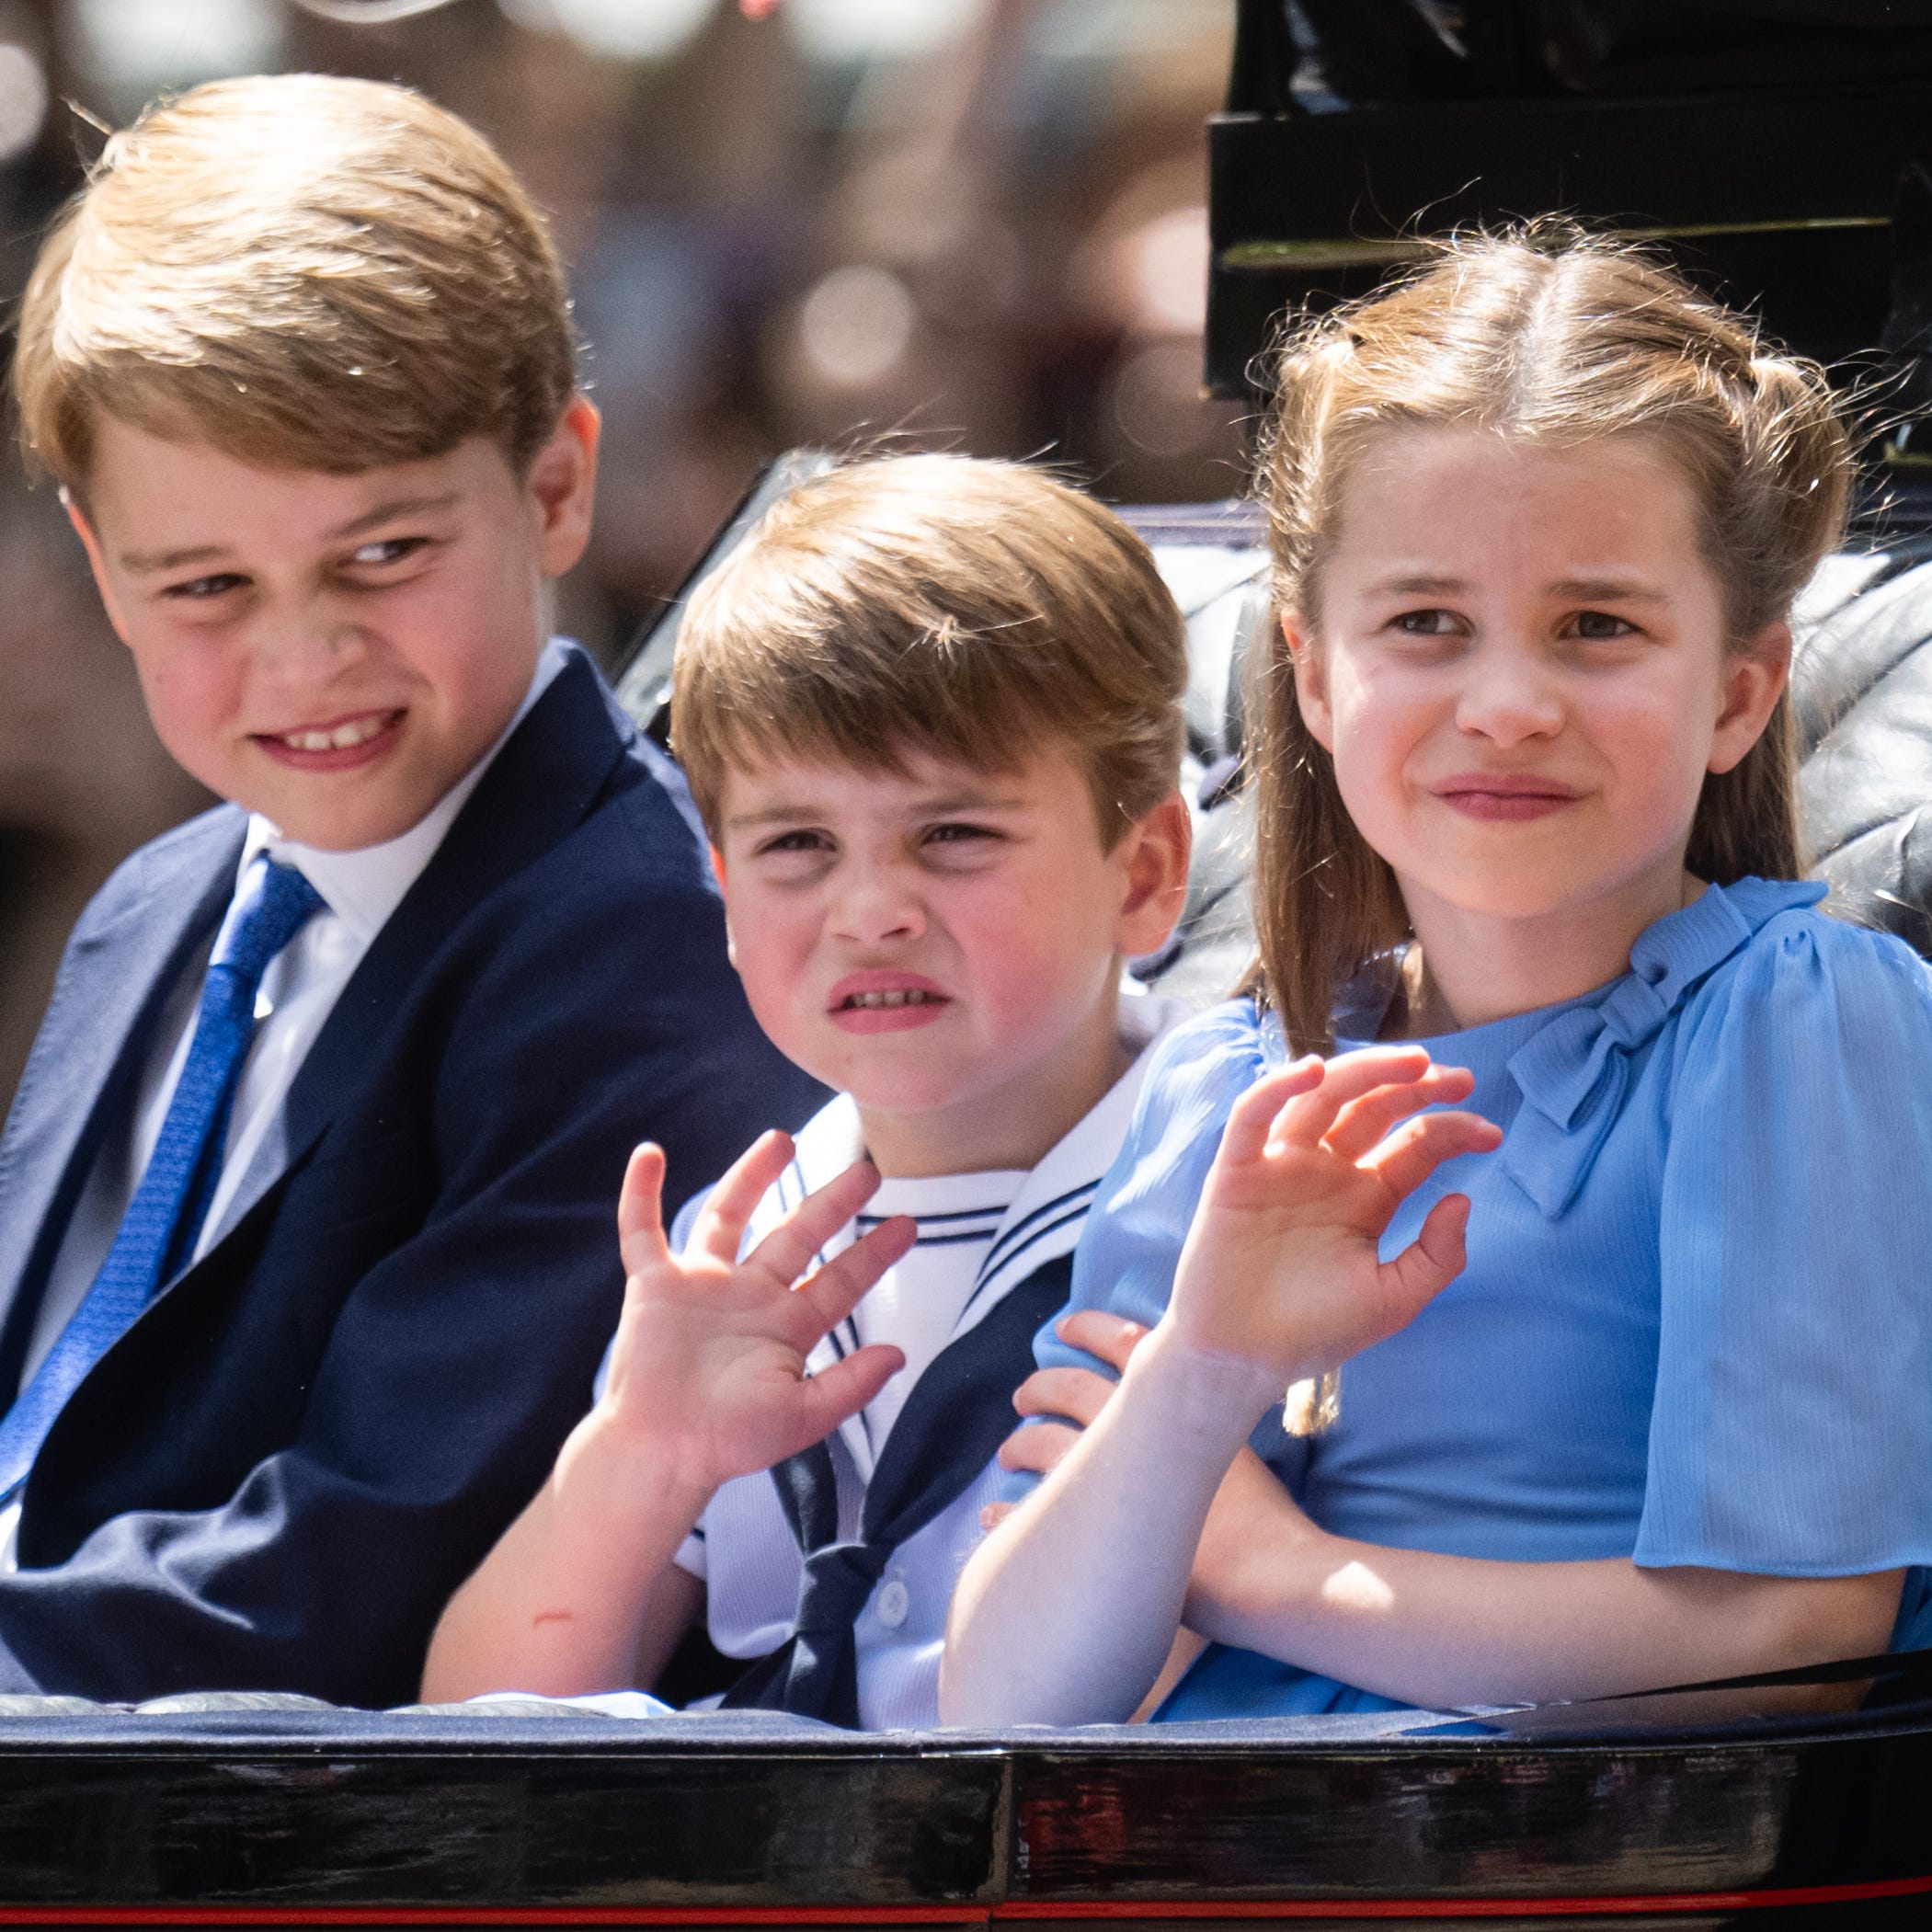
(1696, 1324)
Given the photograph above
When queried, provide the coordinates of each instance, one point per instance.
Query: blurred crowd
(974, 224)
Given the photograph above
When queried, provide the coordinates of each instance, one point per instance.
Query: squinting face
(941, 939)
(333, 652)
(1520, 668)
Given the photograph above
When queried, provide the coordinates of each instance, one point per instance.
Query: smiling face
(333, 652)
(1520, 667)
(945, 944)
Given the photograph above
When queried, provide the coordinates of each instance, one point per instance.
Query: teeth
(910, 996)
(358, 731)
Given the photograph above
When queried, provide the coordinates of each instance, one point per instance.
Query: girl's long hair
(1548, 336)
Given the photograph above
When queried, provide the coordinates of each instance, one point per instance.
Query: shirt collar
(1045, 1216)
(363, 887)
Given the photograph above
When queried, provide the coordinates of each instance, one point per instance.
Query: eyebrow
(927, 807)
(148, 563)
(1584, 589)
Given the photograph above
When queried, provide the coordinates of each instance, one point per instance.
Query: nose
(1508, 695)
(303, 645)
(874, 903)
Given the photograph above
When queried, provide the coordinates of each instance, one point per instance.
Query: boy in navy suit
(305, 1261)
(931, 709)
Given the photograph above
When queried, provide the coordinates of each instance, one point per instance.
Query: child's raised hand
(708, 1368)
(1280, 1267)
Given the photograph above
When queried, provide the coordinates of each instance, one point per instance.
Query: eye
(1427, 623)
(806, 839)
(1600, 626)
(198, 590)
(386, 550)
(959, 832)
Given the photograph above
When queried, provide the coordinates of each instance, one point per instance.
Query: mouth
(885, 1003)
(1503, 796)
(334, 746)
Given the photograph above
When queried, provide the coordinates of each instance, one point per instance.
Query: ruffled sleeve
(1792, 1431)
(1147, 1199)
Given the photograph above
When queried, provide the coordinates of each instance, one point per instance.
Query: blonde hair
(1547, 335)
(971, 609)
(304, 272)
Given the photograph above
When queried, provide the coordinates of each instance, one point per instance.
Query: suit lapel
(115, 981)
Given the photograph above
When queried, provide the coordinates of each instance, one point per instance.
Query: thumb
(1429, 1263)
(825, 1400)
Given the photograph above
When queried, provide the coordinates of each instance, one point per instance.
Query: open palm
(1280, 1267)
(709, 1363)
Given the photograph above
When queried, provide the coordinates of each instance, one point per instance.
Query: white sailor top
(745, 1547)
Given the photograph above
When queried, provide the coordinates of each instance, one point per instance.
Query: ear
(1755, 678)
(562, 486)
(1154, 852)
(96, 561)
(1311, 681)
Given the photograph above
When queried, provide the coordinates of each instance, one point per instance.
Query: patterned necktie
(164, 1218)
(958, 1413)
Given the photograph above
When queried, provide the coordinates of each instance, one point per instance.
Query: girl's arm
(707, 1383)
(1066, 1613)
(1442, 1631)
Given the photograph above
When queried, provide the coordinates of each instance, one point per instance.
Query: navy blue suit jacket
(279, 1473)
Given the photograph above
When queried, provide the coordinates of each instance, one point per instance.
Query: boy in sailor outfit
(929, 712)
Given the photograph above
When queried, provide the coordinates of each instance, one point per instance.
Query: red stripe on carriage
(1623, 1904)
(1033, 1911)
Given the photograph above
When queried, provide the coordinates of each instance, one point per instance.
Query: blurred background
(976, 224)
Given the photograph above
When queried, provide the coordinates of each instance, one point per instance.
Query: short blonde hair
(306, 273)
(970, 610)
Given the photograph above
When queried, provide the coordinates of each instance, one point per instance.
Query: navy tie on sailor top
(959, 1413)
(164, 1218)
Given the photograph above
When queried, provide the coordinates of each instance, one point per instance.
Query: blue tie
(164, 1219)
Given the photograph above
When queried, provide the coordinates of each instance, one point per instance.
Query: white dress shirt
(360, 890)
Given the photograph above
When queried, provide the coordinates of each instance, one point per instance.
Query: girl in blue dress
(1640, 1376)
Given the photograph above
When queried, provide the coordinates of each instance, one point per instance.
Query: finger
(788, 1251)
(1079, 1394)
(1416, 1149)
(1039, 1447)
(1429, 1263)
(995, 1513)
(1361, 1122)
(640, 1211)
(1246, 1133)
(825, 1400)
(1113, 1338)
(720, 1230)
(830, 1296)
(1308, 1118)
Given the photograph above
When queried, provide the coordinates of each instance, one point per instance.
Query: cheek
(1023, 956)
(1377, 722)
(771, 943)
(194, 687)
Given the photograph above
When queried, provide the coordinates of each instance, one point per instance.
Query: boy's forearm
(1441, 1630)
(558, 1607)
(1068, 1613)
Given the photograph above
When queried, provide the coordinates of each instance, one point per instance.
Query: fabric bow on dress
(1573, 1073)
